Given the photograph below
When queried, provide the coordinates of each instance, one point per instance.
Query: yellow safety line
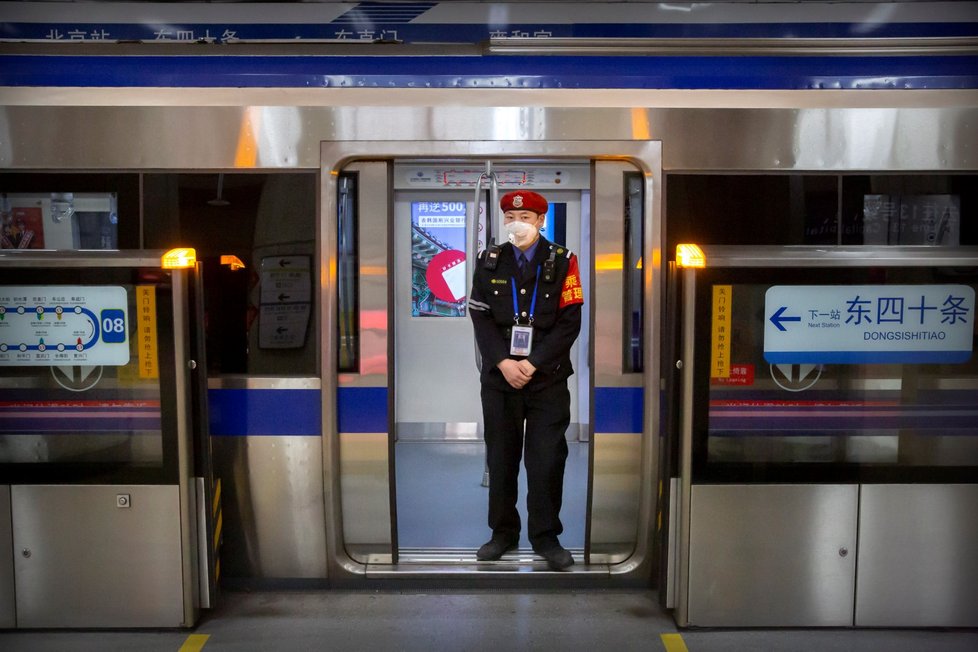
(194, 643)
(217, 497)
(674, 642)
(217, 529)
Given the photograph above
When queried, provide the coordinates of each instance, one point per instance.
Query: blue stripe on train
(295, 412)
(618, 409)
(678, 72)
(79, 425)
(362, 409)
(940, 412)
(827, 424)
(867, 357)
(815, 396)
(236, 412)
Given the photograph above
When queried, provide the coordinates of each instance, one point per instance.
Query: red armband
(572, 292)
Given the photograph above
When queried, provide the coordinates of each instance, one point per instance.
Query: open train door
(400, 385)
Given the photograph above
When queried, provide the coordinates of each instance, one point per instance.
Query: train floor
(477, 620)
(442, 503)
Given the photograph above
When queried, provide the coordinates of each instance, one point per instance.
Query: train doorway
(405, 468)
(438, 428)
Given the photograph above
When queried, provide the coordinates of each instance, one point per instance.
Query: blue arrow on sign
(777, 318)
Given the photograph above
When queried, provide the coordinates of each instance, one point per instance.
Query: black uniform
(544, 402)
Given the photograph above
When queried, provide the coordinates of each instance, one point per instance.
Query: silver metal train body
(312, 460)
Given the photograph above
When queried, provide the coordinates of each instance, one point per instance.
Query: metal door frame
(646, 156)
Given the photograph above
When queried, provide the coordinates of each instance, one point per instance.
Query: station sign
(285, 279)
(466, 22)
(58, 325)
(858, 324)
(286, 302)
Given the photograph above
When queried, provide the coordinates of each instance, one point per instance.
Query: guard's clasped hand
(516, 372)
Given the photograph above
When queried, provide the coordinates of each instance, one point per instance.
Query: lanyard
(533, 301)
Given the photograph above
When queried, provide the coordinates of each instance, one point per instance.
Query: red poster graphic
(446, 275)
(22, 228)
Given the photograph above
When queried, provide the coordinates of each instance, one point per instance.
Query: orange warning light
(690, 255)
(232, 261)
(180, 258)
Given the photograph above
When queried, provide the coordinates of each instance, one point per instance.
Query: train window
(634, 279)
(792, 209)
(58, 220)
(347, 277)
(919, 209)
(260, 319)
(69, 211)
(750, 209)
(88, 402)
(868, 420)
(267, 221)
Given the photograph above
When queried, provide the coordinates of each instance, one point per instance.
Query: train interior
(437, 410)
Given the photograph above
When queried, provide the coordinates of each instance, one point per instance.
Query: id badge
(521, 340)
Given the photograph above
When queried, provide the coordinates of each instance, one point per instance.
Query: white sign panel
(283, 326)
(855, 324)
(286, 293)
(285, 279)
(55, 325)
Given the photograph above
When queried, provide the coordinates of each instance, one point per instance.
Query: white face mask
(521, 234)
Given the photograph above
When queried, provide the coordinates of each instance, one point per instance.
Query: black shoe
(557, 557)
(495, 548)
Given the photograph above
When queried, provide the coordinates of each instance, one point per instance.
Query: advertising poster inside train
(21, 228)
(438, 258)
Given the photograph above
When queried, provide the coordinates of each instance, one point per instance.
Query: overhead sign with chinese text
(855, 324)
(470, 22)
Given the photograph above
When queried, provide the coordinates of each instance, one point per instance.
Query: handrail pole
(472, 253)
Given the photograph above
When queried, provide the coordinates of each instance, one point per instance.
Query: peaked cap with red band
(523, 200)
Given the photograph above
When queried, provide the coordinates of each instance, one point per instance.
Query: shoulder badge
(564, 251)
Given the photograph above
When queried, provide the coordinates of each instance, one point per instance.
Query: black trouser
(546, 413)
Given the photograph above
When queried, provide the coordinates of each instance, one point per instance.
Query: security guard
(526, 309)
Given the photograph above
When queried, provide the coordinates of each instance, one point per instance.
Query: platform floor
(431, 621)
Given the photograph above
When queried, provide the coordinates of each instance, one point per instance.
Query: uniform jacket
(557, 318)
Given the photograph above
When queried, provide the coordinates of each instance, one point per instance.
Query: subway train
(336, 170)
